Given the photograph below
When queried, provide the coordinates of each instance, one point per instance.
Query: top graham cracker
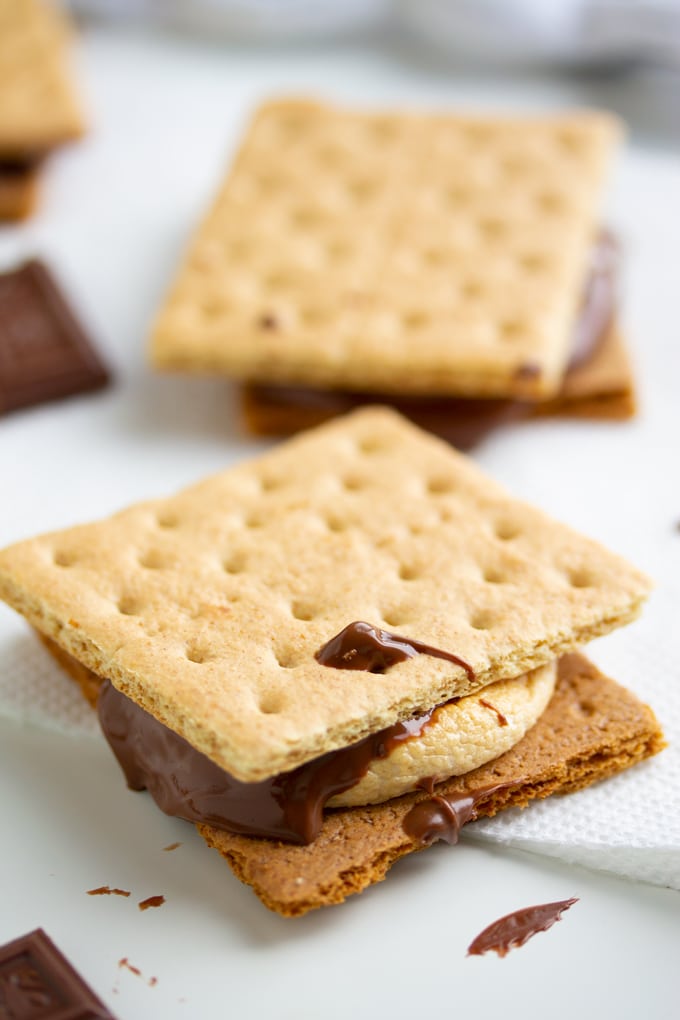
(393, 252)
(207, 607)
(39, 107)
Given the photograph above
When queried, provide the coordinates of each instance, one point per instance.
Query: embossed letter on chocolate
(362, 646)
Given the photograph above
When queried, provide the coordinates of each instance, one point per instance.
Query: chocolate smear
(361, 646)
(515, 929)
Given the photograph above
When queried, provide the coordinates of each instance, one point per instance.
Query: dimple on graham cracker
(403, 253)
(207, 608)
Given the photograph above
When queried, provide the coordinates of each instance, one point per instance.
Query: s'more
(39, 105)
(340, 652)
(454, 266)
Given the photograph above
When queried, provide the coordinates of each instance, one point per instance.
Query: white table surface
(116, 211)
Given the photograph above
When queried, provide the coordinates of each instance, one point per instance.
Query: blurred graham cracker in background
(405, 256)
(39, 106)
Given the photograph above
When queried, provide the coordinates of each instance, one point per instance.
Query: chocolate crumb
(151, 901)
(105, 890)
(124, 962)
(172, 846)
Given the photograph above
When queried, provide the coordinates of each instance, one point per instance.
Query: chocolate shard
(44, 352)
(38, 983)
(515, 929)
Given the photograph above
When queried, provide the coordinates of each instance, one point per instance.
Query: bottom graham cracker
(592, 729)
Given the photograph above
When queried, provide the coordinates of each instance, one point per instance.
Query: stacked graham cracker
(39, 107)
(409, 258)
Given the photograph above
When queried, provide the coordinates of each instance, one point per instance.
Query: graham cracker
(40, 108)
(592, 729)
(602, 388)
(207, 608)
(398, 252)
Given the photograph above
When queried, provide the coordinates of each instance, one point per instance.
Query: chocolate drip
(441, 817)
(517, 928)
(502, 720)
(187, 784)
(361, 646)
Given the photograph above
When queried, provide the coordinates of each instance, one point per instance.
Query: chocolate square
(44, 352)
(38, 983)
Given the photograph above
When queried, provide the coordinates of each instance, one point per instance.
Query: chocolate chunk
(44, 353)
(38, 983)
(517, 928)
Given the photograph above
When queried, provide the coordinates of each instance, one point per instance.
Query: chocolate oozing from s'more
(461, 420)
(187, 784)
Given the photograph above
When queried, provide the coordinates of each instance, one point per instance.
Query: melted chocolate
(441, 817)
(515, 929)
(187, 784)
(361, 646)
(502, 720)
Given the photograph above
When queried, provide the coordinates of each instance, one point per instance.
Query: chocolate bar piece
(44, 352)
(38, 983)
